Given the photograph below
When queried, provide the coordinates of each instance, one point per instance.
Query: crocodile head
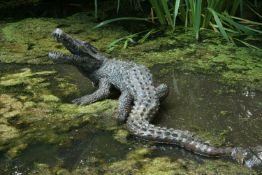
(83, 55)
(75, 46)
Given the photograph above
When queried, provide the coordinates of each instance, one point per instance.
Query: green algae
(235, 65)
(24, 77)
(38, 115)
(27, 41)
(213, 137)
(121, 135)
(66, 89)
(138, 163)
(30, 40)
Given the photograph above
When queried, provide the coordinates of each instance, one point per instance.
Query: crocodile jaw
(75, 46)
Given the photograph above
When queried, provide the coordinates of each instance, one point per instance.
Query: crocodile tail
(177, 137)
(138, 124)
(146, 104)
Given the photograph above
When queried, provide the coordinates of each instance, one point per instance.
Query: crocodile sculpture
(135, 84)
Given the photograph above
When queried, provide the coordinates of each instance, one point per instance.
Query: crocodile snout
(57, 33)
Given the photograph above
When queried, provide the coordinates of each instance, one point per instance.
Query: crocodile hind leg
(101, 93)
(125, 102)
(162, 91)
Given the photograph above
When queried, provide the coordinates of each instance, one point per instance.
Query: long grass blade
(254, 11)
(187, 12)
(164, 4)
(198, 18)
(234, 8)
(255, 3)
(241, 6)
(103, 23)
(195, 7)
(219, 24)
(146, 36)
(243, 28)
(96, 9)
(159, 12)
(246, 21)
(248, 45)
(118, 6)
(177, 4)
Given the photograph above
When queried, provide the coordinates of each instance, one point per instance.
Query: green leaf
(101, 24)
(166, 11)
(96, 9)
(219, 24)
(177, 4)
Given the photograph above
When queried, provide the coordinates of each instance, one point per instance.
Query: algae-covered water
(45, 134)
(215, 92)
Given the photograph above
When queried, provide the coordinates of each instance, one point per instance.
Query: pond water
(220, 114)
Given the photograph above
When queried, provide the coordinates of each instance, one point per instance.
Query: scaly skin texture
(136, 86)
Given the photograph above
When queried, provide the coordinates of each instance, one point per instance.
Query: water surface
(198, 103)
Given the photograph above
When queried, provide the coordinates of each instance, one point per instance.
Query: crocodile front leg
(101, 93)
(125, 102)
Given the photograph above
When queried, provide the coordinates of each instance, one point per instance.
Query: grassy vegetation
(226, 17)
(219, 15)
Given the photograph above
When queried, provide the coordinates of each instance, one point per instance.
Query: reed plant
(220, 15)
(224, 16)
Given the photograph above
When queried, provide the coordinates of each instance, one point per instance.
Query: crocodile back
(139, 83)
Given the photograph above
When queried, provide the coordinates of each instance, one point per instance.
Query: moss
(138, 163)
(41, 168)
(130, 165)
(14, 151)
(138, 154)
(49, 98)
(40, 116)
(216, 138)
(25, 76)
(66, 89)
(161, 166)
(7, 133)
(121, 135)
(235, 65)
(29, 40)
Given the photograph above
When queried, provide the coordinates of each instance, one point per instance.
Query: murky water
(198, 102)
(225, 115)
